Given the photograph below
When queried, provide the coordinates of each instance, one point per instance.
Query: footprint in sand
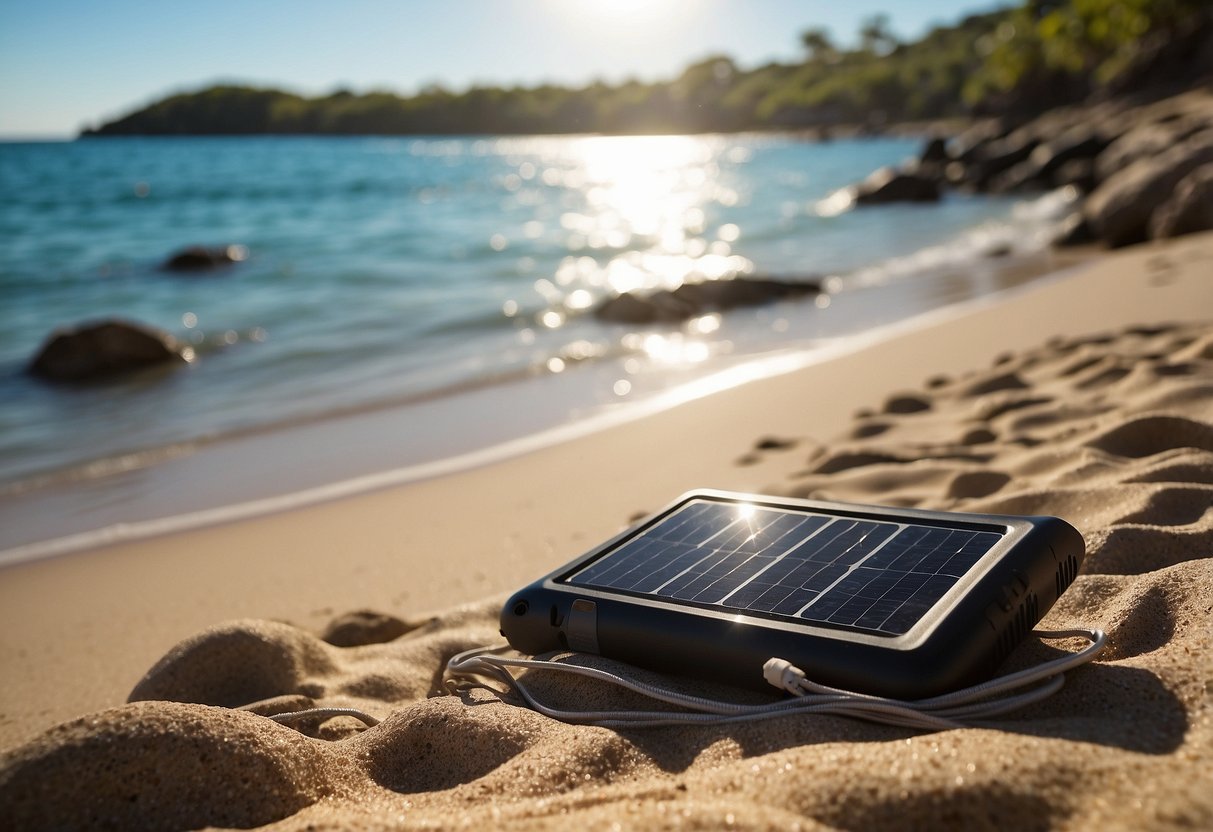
(976, 484)
(996, 405)
(1152, 434)
(1175, 506)
(364, 627)
(907, 403)
(978, 436)
(866, 430)
(765, 445)
(994, 384)
(1104, 378)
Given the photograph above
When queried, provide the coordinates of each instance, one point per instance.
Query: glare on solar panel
(881, 577)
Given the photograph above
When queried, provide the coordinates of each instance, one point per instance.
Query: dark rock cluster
(104, 350)
(693, 299)
(1145, 169)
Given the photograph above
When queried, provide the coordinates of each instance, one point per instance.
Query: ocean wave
(1029, 229)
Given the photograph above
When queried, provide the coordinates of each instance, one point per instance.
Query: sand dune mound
(1114, 433)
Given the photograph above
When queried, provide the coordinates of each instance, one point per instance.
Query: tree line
(1025, 59)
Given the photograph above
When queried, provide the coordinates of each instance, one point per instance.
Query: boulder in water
(104, 349)
(890, 185)
(204, 258)
(693, 299)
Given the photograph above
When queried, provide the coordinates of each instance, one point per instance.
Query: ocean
(408, 305)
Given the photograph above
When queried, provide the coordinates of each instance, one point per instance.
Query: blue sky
(65, 64)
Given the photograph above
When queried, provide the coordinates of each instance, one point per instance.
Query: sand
(1089, 397)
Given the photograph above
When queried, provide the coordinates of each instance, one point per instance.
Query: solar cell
(869, 575)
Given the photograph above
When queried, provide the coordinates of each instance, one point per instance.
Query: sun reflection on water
(639, 215)
(646, 185)
(632, 214)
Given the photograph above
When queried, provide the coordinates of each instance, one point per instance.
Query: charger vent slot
(1019, 626)
(1067, 571)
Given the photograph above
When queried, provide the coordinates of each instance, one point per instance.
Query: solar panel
(889, 601)
(880, 577)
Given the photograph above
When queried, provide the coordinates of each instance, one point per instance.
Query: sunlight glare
(745, 513)
(643, 183)
(613, 18)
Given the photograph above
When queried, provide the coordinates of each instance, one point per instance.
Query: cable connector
(784, 675)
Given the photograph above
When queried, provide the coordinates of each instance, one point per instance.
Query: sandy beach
(1088, 396)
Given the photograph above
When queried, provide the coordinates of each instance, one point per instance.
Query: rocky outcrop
(693, 299)
(1127, 158)
(1048, 160)
(1142, 142)
(998, 157)
(204, 258)
(102, 350)
(1190, 208)
(1120, 209)
(970, 145)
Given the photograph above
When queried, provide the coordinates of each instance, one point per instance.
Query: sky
(69, 64)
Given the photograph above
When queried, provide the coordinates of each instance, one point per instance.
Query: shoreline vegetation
(1014, 63)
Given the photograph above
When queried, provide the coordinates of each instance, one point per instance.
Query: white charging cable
(951, 710)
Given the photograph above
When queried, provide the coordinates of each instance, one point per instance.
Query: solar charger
(891, 602)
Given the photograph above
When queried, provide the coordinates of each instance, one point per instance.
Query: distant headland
(1013, 62)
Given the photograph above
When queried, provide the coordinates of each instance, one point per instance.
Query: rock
(1080, 142)
(104, 349)
(630, 308)
(693, 299)
(1074, 231)
(1021, 177)
(890, 185)
(204, 258)
(935, 151)
(1048, 141)
(972, 143)
(1000, 156)
(1190, 208)
(1120, 209)
(1041, 167)
(1142, 142)
(1077, 172)
(932, 162)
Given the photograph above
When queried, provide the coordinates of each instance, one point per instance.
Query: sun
(608, 7)
(625, 13)
(620, 6)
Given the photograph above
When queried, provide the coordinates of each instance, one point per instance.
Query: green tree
(875, 35)
(818, 44)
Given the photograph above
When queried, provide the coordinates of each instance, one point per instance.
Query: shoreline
(106, 614)
(260, 470)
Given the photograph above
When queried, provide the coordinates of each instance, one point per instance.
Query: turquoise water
(400, 272)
